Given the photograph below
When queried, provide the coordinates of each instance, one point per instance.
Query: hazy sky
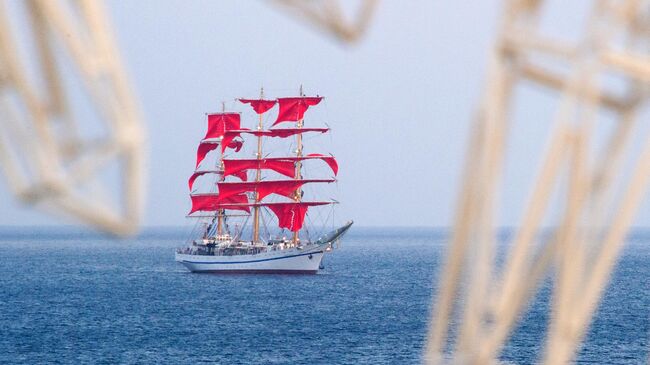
(399, 102)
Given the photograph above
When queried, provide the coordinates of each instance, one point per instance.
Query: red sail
(213, 202)
(292, 215)
(203, 150)
(232, 167)
(205, 147)
(329, 160)
(229, 136)
(259, 105)
(235, 145)
(204, 203)
(293, 109)
(240, 174)
(264, 188)
(229, 189)
(282, 165)
(219, 123)
(288, 132)
(276, 132)
(197, 174)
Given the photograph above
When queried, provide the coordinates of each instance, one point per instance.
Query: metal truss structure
(45, 157)
(328, 16)
(594, 220)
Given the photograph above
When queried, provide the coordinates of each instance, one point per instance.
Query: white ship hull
(306, 260)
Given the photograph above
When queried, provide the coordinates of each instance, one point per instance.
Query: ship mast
(298, 176)
(258, 176)
(219, 167)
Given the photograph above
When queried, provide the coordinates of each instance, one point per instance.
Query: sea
(69, 296)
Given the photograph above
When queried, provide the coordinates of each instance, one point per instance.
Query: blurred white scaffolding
(592, 224)
(45, 159)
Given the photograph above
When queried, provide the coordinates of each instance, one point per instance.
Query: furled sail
(284, 132)
(288, 132)
(293, 109)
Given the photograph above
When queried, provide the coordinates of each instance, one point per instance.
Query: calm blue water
(72, 297)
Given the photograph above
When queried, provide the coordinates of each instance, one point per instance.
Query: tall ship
(255, 213)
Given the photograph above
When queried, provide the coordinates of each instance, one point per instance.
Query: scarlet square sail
(260, 106)
(219, 123)
(285, 188)
(292, 215)
(283, 165)
(213, 203)
(293, 109)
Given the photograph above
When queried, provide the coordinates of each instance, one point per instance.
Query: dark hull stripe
(248, 262)
(292, 272)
